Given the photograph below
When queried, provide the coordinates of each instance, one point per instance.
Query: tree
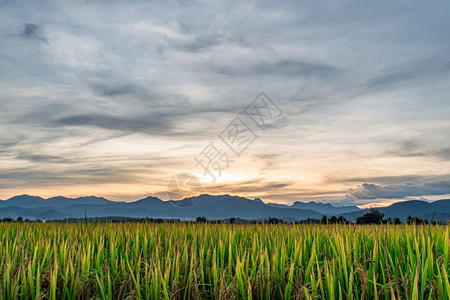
(374, 216)
(200, 220)
(274, 221)
(342, 220)
(409, 219)
(419, 221)
(397, 221)
(334, 220)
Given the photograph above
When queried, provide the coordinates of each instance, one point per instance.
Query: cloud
(37, 177)
(383, 180)
(407, 148)
(284, 68)
(407, 74)
(364, 87)
(400, 191)
(41, 158)
(110, 122)
(10, 141)
(196, 44)
(33, 31)
(252, 186)
(443, 153)
(414, 149)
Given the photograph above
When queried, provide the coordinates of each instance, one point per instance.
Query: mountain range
(209, 206)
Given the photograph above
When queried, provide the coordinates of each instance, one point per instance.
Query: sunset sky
(114, 98)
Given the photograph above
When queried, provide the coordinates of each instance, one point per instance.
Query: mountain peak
(24, 197)
(149, 199)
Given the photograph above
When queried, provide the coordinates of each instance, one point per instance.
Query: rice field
(220, 261)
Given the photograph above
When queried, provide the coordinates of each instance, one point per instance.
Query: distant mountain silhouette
(26, 201)
(209, 206)
(323, 208)
(440, 209)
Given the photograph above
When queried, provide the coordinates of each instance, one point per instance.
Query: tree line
(374, 216)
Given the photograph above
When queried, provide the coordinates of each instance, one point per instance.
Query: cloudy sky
(114, 98)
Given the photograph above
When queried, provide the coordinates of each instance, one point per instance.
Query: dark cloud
(159, 123)
(115, 122)
(197, 44)
(8, 143)
(383, 180)
(443, 153)
(109, 84)
(42, 158)
(400, 191)
(405, 74)
(407, 148)
(33, 31)
(295, 68)
(414, 148)
(284, 68)
(118, 90)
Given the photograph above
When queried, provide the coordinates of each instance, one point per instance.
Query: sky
(115, 98)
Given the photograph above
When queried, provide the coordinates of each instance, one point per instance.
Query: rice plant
(220, 261)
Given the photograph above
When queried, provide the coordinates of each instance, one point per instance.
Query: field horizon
(212, 207)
